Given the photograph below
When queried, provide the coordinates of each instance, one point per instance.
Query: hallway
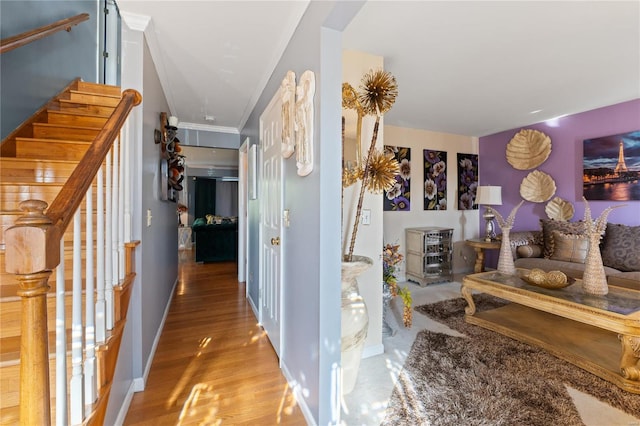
(213, 365)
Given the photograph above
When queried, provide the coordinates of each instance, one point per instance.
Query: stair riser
(12, 313)
(43, 131)
(93, 99)
(10, 388)
(71, 119)
(102, 89)
(102, 111)
(24, 170)
(50, 150)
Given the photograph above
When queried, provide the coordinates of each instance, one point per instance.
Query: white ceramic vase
(355, 320)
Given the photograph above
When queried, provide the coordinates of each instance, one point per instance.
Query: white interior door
(270, 195)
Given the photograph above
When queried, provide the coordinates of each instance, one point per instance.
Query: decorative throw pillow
(529, 250)
(550, 225)
(621, 247)
(569, 247)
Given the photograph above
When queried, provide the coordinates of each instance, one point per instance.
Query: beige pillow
(569, 247)
(529, 250)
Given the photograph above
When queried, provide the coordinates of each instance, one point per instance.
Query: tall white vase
(505, 260)
(355, 320)
(594, 279)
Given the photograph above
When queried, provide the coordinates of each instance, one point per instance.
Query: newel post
(32, 252)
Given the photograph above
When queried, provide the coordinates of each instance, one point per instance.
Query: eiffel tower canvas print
(611, 167)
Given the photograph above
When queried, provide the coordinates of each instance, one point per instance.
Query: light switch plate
(366, 217)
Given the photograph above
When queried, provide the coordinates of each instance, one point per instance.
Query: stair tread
(106, 95)
(22, 139)
(66, 126)
(74, 113)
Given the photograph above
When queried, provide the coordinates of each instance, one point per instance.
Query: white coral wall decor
(288, 98)
(304, 122)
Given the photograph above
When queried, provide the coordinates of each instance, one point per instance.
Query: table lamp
(489, 196)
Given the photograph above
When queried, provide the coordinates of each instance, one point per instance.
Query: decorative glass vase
(594, 279)
(355, 320)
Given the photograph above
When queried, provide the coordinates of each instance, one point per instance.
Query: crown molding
(134, 21)
(208, 128)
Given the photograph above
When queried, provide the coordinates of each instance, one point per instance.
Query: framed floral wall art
(435, 180)
(467, 181)
(398, 198)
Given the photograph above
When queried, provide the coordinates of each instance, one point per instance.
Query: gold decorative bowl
(551, 279)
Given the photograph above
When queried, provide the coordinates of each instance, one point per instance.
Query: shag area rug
(489, 379)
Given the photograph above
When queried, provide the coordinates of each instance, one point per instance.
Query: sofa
(215, 242)
(562, 246)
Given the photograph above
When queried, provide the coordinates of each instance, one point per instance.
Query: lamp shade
(489, 195)
(173, 121)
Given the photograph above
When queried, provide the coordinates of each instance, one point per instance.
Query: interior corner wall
(32, 74)
(369, 237)
(564, 164)
(156, 258)
(311, 250)
(463, 222)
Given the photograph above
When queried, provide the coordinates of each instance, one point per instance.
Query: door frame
(243, 223)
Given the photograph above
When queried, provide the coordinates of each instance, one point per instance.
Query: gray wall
(157, 256)
(311, 305)
(34, 73)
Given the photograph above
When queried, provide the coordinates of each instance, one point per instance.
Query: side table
(480, 245)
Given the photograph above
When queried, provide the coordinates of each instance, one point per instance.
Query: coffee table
(600, 334)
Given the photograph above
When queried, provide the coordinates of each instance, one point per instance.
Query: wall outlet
(366, 217)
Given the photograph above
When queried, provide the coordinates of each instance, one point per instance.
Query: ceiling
(471, 68)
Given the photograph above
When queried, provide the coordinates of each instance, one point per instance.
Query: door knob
(275, 241)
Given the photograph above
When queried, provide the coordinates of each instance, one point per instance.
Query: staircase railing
(34, 248)
(10, 43)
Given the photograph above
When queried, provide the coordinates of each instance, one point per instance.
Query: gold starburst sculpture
(379, 91)
(382, 172)
(351, 176)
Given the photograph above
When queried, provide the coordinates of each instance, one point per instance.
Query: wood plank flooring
(214, 365)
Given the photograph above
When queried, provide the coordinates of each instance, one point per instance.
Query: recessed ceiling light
(209, 118)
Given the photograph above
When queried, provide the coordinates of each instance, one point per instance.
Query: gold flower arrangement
(378, 92)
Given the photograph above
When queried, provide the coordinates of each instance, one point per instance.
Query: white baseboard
(297, 394)
(124, 408)
(139, 383)
(255, 310)
(372, 350)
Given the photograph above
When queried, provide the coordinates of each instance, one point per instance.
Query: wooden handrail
(68, 200)
(27, 37)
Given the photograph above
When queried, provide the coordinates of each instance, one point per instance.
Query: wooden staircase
(36, 160)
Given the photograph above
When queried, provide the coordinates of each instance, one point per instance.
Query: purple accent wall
(564, 164)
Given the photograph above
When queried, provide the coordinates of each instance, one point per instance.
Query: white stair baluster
(100, 302)
(61, 343)
(127, 180)
(77, 381)
(115, 213)
(89, 310)
(108, 267)
(121, 212)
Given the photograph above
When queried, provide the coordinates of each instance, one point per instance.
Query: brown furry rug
(489, 379)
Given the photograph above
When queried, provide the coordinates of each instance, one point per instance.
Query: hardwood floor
(214, 365)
